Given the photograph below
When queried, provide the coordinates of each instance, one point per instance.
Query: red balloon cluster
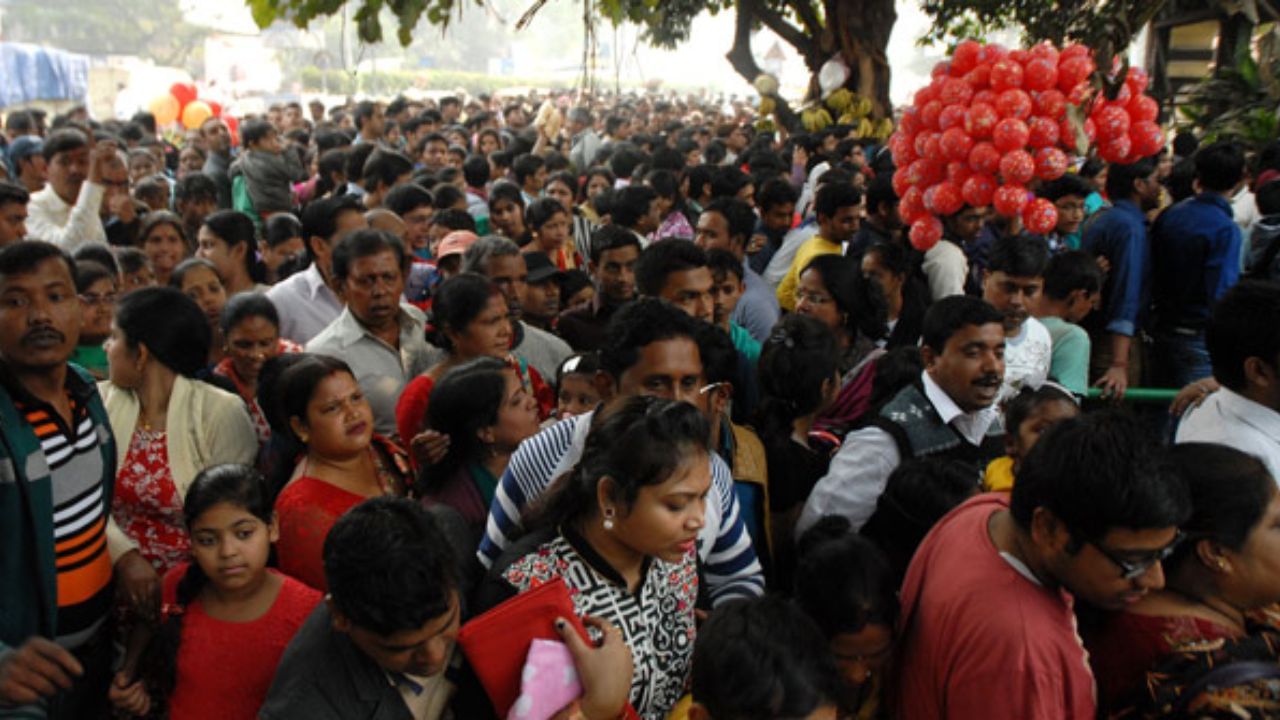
(994, 120)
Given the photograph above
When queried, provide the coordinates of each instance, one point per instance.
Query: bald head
(385, 220)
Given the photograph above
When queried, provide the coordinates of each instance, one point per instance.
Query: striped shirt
(728, 559)
(80, 516)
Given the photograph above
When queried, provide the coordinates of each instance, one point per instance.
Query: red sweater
(225, 669)
(980, 640)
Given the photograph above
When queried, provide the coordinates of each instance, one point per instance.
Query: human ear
(929, 356)
(605, 384)
(1048, 532)
(1213, 556)
(299, 428)
(273, 529)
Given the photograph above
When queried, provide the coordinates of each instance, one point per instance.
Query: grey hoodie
(1264, 249)
(269, 177)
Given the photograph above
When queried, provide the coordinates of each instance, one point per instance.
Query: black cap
(540, 267)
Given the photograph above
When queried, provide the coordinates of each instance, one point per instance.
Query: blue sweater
(1120, 235)
(1195, 256)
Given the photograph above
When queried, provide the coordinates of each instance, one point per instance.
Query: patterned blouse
(147, 505)
(657, 621)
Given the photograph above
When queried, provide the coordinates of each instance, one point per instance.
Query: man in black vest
(949, 413)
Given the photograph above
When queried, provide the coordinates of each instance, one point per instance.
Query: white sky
(712, 37)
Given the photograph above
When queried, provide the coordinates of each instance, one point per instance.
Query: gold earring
(608, 518)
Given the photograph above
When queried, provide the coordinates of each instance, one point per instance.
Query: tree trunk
(859, 30)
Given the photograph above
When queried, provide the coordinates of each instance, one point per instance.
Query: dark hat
(22, 148)
(540, 267)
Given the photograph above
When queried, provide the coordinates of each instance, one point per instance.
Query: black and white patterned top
(657, 621)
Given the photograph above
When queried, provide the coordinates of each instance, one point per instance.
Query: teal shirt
(744, 343)
(485, 482)
(92, 358)
(1069, 363)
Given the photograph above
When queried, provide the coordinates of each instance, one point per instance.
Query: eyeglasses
(811, 298)
(1131, 569)
(711, 387)
(93, 299)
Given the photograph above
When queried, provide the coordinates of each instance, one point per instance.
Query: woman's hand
(604, 670)
(130, 697)
(429, 447)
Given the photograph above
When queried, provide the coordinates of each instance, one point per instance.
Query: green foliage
(154, 29)
(1105, 25)
(1238, 101)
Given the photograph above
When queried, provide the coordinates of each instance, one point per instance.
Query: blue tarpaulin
(31, 72)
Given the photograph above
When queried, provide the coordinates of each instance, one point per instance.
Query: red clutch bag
(497, 642)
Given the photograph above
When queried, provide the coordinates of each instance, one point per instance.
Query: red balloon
(1073, 70)
(933, 147)
(929, 113)
(1080, 94)
(965, 58)
(1142, 107)
(183, 93)
(1010, 134)
(1040, 216)
(952, 116)
(1047, 51)
(984, 96)
(922, 142)
(980, 120)
(901, 181)
(943, 199)
(1050, 103)
(1005, 75)
(1146, 138)
(1019, 56)
(1043, 132)
(955, 92)
(1074, 50)
(955, 144)
(1040, 74)
(909, 123)
(984, 158)
(925, 94)
(1123, 95)
(958, 172)
(911, 206)
(1009, 200)
(977, 190)
(941, 70)
(1115, 150)
(903, 149)
(1014, 103)
(992, 53)
(926, 171)
(979, 78)
(1017, 167)
(1137, 79)
(215, 107)
(1112, 122)
(1051, 163)
(925, 233)
(233, 124)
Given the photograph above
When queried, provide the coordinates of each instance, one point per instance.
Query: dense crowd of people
(282, 413)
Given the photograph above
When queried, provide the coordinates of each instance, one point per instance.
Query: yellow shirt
(999, 475)
(812, 248)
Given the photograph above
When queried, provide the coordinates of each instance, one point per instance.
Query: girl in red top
(344, 462)
(469, 320)
(229, 618)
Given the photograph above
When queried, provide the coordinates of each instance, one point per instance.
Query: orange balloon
(164, 108)
(195, 113)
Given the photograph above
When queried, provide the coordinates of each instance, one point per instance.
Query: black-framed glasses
(1131, 568)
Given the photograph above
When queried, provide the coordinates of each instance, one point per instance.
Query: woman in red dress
(344, 462)
(470, 320)
(1216, 581)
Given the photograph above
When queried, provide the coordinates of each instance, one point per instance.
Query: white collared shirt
(381, 370)
(861, 467)
(51, 219)
(1228, 418)
(305, 303)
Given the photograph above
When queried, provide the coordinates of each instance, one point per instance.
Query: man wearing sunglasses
(987, 604)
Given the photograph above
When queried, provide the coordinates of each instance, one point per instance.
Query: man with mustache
(66, 211)
(948, 414)
(381, 338)
(1012, 283)
(58, 463)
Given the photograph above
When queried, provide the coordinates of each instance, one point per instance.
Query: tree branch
(808, 17)
(742, 61)
(773, 20)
